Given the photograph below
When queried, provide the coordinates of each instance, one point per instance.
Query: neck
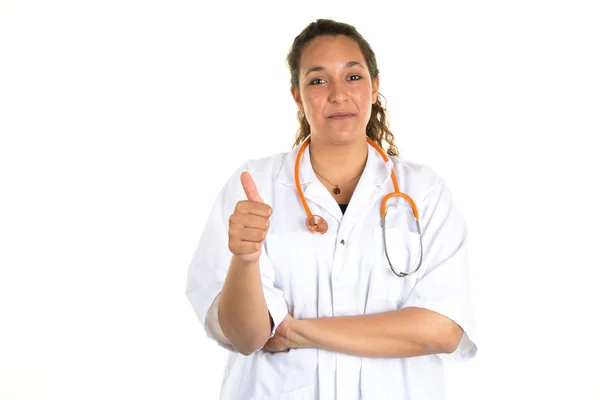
(338, 163)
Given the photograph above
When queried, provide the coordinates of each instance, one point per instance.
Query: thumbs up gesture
(249, 223)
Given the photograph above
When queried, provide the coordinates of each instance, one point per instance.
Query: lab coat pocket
(403, 252)
(305, 393)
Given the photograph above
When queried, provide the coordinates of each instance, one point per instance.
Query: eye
(355, 77)
(315, 81)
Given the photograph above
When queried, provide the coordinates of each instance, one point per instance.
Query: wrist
(298, 333)
(241, 263)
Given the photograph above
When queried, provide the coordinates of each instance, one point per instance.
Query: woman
(295, 274)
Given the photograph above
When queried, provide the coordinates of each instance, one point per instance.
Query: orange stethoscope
(317, 224)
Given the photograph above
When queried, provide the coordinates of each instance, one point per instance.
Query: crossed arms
(407, 332)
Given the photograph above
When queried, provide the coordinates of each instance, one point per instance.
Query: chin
(341, 136)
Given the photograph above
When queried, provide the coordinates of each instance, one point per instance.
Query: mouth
(341, 115)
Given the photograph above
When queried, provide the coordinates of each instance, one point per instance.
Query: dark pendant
(337, 190)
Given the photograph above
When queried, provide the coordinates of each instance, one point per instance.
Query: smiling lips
(341, 115)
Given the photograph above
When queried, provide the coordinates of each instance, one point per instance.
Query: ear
(375, 90)
(297, 99)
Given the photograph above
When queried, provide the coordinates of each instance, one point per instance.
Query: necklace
(336, 190)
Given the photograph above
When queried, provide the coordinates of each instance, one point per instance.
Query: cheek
(313, 103)
(363, 101)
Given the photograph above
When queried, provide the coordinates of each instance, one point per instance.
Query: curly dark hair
(377, 127)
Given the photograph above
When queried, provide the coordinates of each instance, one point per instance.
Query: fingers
(249, 221)
(250, 188)
(248, 231)
(241, 233)
(255, 208)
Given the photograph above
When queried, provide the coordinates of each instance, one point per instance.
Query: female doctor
(336, 270)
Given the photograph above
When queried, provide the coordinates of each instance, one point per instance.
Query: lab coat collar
(369, 189)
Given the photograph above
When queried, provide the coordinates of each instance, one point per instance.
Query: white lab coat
(313, 276)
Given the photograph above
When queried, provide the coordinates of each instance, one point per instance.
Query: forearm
(243, 314)
(408, 332)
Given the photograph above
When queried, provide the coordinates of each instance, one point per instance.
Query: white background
(120, 121)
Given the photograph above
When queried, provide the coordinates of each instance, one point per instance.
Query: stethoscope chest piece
(316, 224)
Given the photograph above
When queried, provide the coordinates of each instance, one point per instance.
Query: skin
(246, 324)
(407, 332)
(334, 78)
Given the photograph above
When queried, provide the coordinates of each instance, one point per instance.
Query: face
(335, 90)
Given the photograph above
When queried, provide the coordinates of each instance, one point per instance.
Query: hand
(249, 223)
(281, 341)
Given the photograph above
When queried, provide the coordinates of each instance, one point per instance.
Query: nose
(338, 93)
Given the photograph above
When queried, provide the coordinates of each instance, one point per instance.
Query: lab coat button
(342, 242)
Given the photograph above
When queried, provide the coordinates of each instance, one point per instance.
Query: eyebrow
(349, 64)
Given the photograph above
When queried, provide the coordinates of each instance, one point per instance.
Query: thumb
(250, 188)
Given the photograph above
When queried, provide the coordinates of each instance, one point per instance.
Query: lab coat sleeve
(209, 265)
(443, 282)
